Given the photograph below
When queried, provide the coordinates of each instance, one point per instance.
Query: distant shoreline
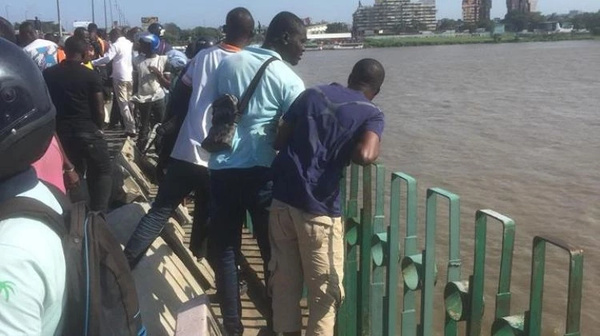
(394, 42)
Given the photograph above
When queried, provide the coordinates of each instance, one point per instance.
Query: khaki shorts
(305, 249)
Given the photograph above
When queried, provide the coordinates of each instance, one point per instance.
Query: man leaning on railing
(327, 127)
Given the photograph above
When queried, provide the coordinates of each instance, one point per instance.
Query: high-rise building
(523, 6)
(390, 17)
(475, 11)
(533, 5)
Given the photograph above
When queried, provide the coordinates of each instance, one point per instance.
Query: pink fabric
(50, 167)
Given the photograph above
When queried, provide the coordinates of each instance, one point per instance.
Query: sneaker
(243, 285)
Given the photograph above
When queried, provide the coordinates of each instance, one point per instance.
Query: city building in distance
(523, 6)
(533, 5)
(476, 11)
(391, 17)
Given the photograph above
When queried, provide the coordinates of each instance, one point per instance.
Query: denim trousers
(233, 193)
(88, 151)
(150, 114)
(182, 177)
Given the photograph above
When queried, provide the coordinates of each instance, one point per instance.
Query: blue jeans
(182, 177)
(233, 192)
(88, 151)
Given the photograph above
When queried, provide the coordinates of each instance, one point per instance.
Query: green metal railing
(374, 263)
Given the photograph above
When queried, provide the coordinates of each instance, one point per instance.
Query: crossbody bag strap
(252, 87)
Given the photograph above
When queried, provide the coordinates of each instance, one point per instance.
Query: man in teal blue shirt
(240, 179)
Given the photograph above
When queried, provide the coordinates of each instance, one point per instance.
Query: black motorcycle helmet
(156, 29)
(203, 42)
(26, 111)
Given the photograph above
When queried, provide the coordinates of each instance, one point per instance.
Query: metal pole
(112, 20)
(58, 12)
(6, 9)
(105, 17)
(93, 13)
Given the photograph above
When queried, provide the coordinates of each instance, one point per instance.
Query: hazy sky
(191, 13)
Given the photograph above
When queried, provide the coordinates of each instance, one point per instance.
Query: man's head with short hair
(27, 33)
(92, 29)
(81, 32)
(286, 35)
(50, 37)
(132, 32)
(76, 48)
(367, 76)
(239, 27)
(115, 34)
(7, 30)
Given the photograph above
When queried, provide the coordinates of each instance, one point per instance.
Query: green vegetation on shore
(441, 40)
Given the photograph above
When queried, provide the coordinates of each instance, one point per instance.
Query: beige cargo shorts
(305, 249)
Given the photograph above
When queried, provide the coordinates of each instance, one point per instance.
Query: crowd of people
(287, 154)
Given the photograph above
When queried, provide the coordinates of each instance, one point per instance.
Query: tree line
(516, 21)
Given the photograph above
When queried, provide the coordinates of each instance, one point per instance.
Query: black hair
(76, 45)
(115, 34)
(367, 73)
(26, 27)
(92, 27)
(284, 22)
(79, 32)
(7, 30)
(239, 24)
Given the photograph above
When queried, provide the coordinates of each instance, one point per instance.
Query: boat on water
(348, 46)
(336, 46)
(313, 47)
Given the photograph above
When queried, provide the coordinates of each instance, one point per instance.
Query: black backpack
(101, 294)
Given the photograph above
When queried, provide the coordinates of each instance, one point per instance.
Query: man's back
(278, 88)
(32, 272)
(327, 122)
(71, 86)
(43, 53)
(195, 126)
(122, 50)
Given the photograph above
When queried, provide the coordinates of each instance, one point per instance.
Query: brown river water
(509, 127)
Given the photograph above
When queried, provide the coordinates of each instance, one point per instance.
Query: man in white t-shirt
(121, 54)
(152, 76)
(42, 52)
(187, 170)
(32, 261)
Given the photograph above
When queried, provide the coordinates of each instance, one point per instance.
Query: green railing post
(342, 315)
(465, 299)
(350, 306)
(420, 271)
(537, 285)
(391, 248)
(378, 248)
(364, 274)
(530, 323)
(409, 315)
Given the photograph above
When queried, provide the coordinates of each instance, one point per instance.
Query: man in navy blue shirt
(327, 127)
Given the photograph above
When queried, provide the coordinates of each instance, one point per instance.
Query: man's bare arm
(283, 135)
(367, 149)
(98, 108)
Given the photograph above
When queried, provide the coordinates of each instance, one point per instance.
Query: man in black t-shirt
(76, 92)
